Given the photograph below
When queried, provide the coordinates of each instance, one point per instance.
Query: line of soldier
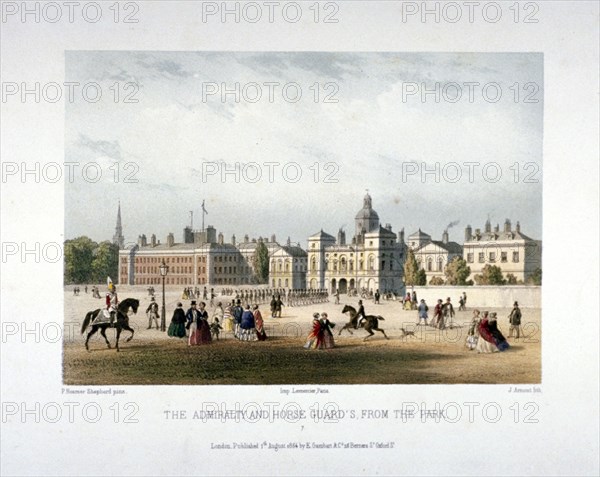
(305, 297)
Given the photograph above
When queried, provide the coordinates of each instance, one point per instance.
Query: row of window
(440, 265)
(492, 257)
(168, 260)
(168, 281)
(172, 269)
(383, 243)
(286, 268)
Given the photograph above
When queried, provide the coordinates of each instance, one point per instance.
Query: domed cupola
(367, 219)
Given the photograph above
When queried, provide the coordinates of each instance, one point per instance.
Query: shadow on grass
(257, 363)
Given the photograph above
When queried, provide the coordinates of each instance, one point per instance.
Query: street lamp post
(164, 269)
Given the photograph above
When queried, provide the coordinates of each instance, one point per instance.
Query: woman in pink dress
(491, 338)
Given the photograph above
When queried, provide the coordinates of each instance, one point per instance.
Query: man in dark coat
(237, 313)
(448, 312)
(360, 314)
(515, 321)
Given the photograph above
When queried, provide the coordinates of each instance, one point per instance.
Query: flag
(109, 283)
(203, 208)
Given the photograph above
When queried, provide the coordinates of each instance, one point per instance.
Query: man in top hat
(515, 321)
(152, 313)
(448, 312)
(360, 314)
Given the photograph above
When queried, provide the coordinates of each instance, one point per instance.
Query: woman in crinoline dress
(314, 332)
(326, 341)
(491, 338)
(199, 327)
(228, 318)
(177, 326)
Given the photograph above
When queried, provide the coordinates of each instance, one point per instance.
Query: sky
(360, 124)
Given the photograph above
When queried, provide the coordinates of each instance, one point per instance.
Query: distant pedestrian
(422, 310)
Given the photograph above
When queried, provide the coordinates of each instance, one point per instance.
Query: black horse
(370, 323)
(122, 321)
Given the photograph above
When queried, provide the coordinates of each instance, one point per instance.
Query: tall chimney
(233, 239)
(445, 236)
(273, 238)
(518, 228)
(468, 233)
(144, 240)
(153, 240)
(488, 226)
(221, 238)
(170, 240)
(401, 236)
(507, 226)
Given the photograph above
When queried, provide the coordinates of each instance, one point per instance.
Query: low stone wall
(482, 296)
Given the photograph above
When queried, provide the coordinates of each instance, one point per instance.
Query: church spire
(118, 238)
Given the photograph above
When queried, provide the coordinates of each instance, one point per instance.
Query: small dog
(406, 333)
(215, 328)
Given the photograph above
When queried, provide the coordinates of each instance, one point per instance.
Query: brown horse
(122, 321)
(370, 323)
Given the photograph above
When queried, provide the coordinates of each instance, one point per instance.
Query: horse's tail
(380, 318)
(86, 321)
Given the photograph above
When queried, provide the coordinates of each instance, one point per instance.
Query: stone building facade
(510, 249)
(433, 255)
(372, 260)
(287, 267)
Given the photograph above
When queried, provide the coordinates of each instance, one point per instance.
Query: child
(215, 327)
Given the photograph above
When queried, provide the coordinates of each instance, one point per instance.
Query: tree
(436, 281)
(106, 261)
(490, 275)
(421, 278)
(535, 278)
(457, 271)
(78, 257)
(411, 270)
(511, 279)
(261, 263)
